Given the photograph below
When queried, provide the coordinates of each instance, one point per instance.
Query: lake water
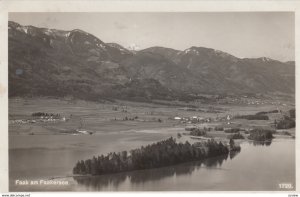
(257, 167)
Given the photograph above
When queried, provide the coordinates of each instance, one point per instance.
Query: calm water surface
(256, 167)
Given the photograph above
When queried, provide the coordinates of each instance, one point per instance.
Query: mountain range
(50, 62)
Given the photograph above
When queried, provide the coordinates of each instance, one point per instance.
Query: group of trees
(163, 153)
(198, 132)
(261, 134)
(287, 122)
(233, 147)
(39, 114)
(195, 131)
(236, 136)
(132, 118)
(135, 118)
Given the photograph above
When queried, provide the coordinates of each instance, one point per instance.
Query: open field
(125, 116)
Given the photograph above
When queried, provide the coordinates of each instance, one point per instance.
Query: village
(40, 117)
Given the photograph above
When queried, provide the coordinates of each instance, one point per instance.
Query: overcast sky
(249, 34)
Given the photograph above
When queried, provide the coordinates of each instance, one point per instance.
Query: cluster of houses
(192, 119)
(249, 101)
(39, 119)
(198, 119)
(21, 121)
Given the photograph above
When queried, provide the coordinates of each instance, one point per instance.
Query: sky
(242, 34)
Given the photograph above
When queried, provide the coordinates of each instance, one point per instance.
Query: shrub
(179, 135)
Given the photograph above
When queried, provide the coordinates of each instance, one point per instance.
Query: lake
(257, 167)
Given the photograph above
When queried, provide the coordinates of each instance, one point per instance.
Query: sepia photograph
(151, 101)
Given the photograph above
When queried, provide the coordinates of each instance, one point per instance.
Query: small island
(164, 153)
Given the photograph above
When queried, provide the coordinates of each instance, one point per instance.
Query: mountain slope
(50, 62)
(222, 72)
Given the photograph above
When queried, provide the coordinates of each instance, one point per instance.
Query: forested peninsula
(164, 153)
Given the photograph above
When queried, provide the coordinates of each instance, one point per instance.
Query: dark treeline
(267, 112)
(198, 129)
(253, 117)
(163, 153)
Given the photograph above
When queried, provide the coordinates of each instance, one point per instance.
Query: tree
(231, 143)
(94, 169)
(179, 135)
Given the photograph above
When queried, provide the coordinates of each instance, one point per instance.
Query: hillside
(50, 62)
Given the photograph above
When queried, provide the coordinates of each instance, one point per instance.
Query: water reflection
(142, 176)
(261, 143)
(215, 162)
(99, 182)
(233, 154)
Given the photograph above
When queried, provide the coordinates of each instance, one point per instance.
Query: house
(229, 117)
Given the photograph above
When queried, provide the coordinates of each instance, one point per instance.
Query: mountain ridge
(79, 64)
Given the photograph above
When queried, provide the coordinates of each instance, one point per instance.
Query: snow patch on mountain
(133, 47)
(100, 45)
(49, 32)
(23, 29)
(67, 34)
(191, 51)
(265, 59)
